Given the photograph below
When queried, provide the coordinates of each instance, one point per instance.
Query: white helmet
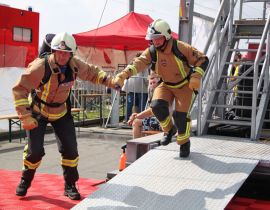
(64, 42)
(158, 28)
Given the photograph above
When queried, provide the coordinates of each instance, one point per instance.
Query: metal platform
(208, 179)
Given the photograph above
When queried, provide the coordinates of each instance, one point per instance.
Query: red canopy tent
(126, 33)
(115, 43)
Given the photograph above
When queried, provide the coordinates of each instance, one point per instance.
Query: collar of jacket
(55, 68)
(168, 48)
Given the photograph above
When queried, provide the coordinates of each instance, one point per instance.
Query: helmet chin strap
(163, 46)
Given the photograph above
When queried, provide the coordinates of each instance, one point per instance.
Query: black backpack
(176, 52)
(46, 45)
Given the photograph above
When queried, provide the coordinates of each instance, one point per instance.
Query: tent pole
(131, 5)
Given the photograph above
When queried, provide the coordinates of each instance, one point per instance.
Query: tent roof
(126, 33)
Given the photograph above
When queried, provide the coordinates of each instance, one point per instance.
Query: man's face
(158, 41)
(62, 57)
(153, 82)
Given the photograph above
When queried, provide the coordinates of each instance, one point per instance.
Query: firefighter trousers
(163, 98)
(67, 145)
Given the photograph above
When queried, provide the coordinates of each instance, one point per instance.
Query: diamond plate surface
(227, 146)
(161, 180)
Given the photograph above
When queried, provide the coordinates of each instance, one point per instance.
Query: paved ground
(99, 151)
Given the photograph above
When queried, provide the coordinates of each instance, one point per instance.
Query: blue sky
(83, 15)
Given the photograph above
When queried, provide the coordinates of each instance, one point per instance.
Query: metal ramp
(160, 180)
(218, 90)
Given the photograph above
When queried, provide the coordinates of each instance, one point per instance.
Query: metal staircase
(218, 90)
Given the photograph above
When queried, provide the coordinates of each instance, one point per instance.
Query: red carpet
(46, 192)
(239, 203)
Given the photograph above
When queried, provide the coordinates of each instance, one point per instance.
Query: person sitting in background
(136, 89)
(145, 120)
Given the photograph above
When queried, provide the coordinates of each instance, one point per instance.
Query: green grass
(95, 114)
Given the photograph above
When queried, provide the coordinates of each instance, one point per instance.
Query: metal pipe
(131, 5)
(260, 48)
(114, 98)
(241, 9)
(255, 80)
(230, 16)
(214, 28)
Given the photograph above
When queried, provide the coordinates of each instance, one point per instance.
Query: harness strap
(182, 81)
(36, 99)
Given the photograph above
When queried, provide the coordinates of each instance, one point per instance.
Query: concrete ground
(99, 151)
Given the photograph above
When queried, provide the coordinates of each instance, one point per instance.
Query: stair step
(244, 63)
(254, 22)
(229, 122)
(247, 37)
(231, 106)
(236, 77)
(246, 50)
(249, 27)
(232, 91)
(249, 119)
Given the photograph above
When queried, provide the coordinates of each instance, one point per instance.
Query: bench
(76, 114)
(13, 119)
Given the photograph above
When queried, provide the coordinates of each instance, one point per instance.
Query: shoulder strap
(47, 73)
(175, 51)
(179, 54)
(153, 54)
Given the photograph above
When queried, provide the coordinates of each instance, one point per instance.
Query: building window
(22, 34)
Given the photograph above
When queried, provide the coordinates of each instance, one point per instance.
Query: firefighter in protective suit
(181, 78)
(49, 104)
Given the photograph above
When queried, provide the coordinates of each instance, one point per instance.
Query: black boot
(167, 138)
(22, 188)
(185, 150)
(72, 192)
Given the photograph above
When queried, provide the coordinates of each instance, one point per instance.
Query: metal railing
(263, 79)
(216, 63)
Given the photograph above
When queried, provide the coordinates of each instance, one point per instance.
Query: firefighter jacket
(172, 70)
(52, 92)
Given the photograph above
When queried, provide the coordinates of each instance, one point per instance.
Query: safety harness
(45, 79)
(178, 54)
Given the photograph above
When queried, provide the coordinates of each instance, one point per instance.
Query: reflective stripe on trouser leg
(160, 108)
(67, 146)
(70, 170)
(70, 163)
(166, 124)
(182, 123)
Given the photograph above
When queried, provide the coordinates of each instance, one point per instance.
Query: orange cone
(123, 159)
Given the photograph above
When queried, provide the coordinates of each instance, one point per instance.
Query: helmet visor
(153, 36)
(61, 47)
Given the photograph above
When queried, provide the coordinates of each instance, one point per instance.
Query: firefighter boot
(185, 150)
(167, 138)
(72, 192)
(22, 188)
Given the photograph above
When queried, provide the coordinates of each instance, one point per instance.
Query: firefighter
(181, 76)
(49, 104)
